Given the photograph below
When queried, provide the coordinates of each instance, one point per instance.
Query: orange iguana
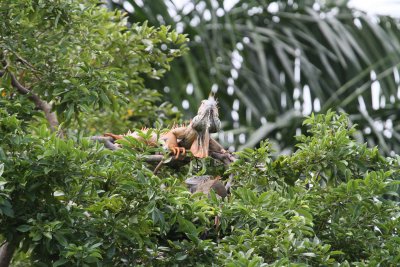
(195, 136)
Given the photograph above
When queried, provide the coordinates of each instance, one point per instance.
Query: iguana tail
(115, 136)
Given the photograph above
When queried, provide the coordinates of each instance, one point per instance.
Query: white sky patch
(296, 93)
(230, 90)
(307, 102)
(189, 89)
(235, 115)
(297, 70)
(200, 7)
(179, 27)
(398, 92)
(236, 59)
(236, 104)
(373, 7)
(187, 8)
(214, 88)
(255, 10)
(228, 5)
(207, 15)
(128, 7)
(317, 105)
(375, 93)
(361, 103)
(139, 3)
(379, 125)
(231, 137)
(283, 100)
(263, 120)
(297, 105)
(396, 75)
(234, 74)
(220, 12)
(273, 7)
(195, 21)
(242, 138)
(185, 104)
(357, 22)
(383, 101)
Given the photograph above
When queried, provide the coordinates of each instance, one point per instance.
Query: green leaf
(23, 228)
(60, 262)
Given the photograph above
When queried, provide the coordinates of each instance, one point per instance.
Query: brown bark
(7, 251)
(41, 104)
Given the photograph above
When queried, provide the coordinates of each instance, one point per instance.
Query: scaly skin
(195, 136)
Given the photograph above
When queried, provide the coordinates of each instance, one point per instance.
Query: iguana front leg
(170, 140)
(214, 146)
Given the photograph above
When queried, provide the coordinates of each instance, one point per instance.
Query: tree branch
(7, 250)
(107, 141)
(226, 158)
(41, 104)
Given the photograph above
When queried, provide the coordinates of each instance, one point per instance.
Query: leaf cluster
(74, 203)
(79, 56)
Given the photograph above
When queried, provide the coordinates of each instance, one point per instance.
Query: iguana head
(207, 117)
(205, 122)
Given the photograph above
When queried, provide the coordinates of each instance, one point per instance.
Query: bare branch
(41, 104)
(225, 157)
(158, 167)
(107, 141)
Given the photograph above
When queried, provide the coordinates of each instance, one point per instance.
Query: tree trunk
(7, 251)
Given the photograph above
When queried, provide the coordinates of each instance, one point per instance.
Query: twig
(158, 167)
(24, 61)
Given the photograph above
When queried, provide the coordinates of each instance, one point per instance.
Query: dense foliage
(73, 202)
(67, 201)
(82, 57)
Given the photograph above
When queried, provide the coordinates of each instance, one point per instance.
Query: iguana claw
(178, 151)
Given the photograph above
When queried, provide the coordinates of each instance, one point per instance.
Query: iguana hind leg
(171, 142)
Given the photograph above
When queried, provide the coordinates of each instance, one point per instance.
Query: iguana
(195, 136)
(205, 184)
